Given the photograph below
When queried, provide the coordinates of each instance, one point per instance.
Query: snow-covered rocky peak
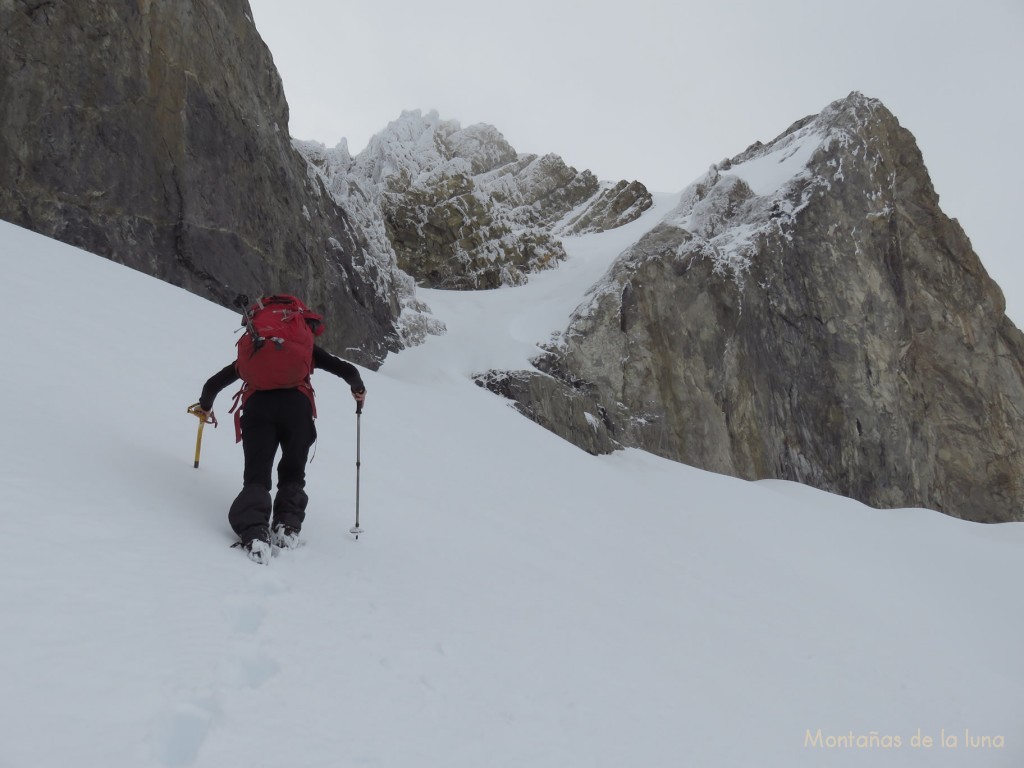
(460, 208)
(757, 194)
(419, 147)
(806, 312)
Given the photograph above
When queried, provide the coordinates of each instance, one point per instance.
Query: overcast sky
(658, 90)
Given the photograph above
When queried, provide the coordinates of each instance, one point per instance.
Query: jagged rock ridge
(461, 208)
(156, 134)
(807, 313)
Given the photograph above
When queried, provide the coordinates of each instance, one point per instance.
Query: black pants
(279, 418)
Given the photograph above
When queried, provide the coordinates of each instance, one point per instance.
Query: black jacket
(227, 376)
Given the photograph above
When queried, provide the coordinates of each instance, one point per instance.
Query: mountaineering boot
(284, 536)
(256, 544)
(258, 550)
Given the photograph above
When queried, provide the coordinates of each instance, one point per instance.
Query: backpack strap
(307, 390)
(238, 402)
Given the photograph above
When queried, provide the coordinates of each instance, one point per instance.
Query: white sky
(658, 90)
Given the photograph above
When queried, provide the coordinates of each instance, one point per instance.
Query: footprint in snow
(181, 731)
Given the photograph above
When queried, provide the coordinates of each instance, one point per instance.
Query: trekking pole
(355, 530)
(204, 419)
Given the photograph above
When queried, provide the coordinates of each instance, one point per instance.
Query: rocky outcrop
(569, 412)
(806, 313)
(461, 208)
(156, 134)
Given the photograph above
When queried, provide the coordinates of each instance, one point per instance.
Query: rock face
(806, 313)
(156, 134)
(461, 208)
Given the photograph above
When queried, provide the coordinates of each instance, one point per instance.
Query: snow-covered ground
(513, 601)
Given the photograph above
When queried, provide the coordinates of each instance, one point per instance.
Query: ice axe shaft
(199, 442)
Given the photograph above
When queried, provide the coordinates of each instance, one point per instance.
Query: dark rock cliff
(155, 133)
(807, 313)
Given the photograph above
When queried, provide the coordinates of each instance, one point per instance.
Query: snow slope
(512, 602)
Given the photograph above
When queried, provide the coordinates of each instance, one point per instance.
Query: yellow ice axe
(204, 419)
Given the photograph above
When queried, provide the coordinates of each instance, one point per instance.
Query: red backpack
(276, 351)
